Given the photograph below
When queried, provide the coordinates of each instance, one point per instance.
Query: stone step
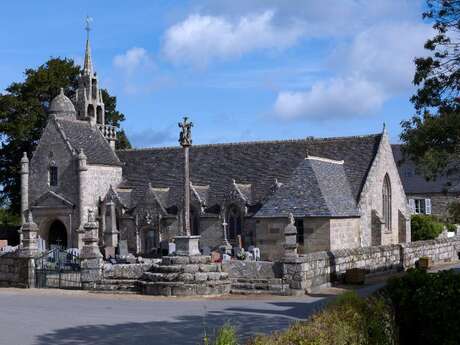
(257, 292)
(258, 281)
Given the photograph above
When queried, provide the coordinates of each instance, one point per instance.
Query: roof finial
(88, 66)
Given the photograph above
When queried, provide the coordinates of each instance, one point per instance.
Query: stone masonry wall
(315, 269)
(52, 147)
(371, 197)
(16, 271)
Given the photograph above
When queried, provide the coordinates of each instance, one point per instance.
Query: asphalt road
(58, 317)
(42, 317)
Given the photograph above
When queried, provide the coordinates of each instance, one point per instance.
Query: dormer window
(53, 176)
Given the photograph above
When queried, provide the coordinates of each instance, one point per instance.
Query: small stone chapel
(342, 192)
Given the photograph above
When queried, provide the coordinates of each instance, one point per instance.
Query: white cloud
(334, 98)
(137, 72)
(377, 65)
(132, 60)
(201, 38)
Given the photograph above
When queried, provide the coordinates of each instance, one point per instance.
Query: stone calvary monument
(186, 272)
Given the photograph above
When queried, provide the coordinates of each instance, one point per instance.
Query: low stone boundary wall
(305, 272)
(253, 269)
(16, 271)
(440, 250)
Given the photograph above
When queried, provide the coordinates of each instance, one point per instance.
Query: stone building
(426, 197)
(343, 192)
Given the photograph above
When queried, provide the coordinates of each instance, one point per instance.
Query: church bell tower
(90, 105)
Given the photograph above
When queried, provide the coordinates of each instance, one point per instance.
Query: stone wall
(16, 271)
(371, 198)
(308, 271)
(53, 147)
(440, 250)
(253, 269)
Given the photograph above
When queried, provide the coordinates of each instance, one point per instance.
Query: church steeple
(88, 65)
(90, 106)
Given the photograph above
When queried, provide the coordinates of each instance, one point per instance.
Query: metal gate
(59, 269)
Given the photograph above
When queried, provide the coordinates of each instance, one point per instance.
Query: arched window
(90, 110)
(53, 176)
(386, 202)
(99, 114)
(194, 222)
(234, 222)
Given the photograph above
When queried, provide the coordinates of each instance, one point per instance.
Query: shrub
(425, 227)
(226, 335)
(451, 227)
(454, 212)
(350, 320)
(426, 306)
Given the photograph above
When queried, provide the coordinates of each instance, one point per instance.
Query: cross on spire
(88, 66)
(88, 21)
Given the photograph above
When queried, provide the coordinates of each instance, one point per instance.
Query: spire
(88, 66)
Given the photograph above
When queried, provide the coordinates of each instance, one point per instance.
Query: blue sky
(242, 70)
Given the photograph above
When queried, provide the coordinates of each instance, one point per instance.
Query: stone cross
(185, 140)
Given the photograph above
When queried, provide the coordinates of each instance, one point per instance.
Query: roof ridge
(280, 141)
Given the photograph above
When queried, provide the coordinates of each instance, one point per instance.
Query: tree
(432, 135)
(23, 116)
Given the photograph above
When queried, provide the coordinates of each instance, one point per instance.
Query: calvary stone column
(90, 255)
(186, 245)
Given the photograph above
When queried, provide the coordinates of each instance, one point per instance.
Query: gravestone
(109, 252)
(171, 248)
(123, 248)
(206, 251)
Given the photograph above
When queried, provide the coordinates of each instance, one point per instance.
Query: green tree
(432, 135)
(23, 116)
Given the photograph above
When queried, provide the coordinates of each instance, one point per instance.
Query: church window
(100, 118)
(53, 176)
(386, 201)
(90, 110)
(234, 222)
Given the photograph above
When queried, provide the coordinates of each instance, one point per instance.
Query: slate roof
(257, 164)
(416, 183)
(317, 188)
(81, 134)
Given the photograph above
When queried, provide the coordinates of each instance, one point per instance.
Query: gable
(52, 200)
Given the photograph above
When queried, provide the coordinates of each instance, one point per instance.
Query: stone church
(343, 192)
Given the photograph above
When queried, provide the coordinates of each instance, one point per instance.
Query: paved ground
(58, 317)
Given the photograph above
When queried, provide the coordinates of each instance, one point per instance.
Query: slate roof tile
(82, 135)
(254, 163)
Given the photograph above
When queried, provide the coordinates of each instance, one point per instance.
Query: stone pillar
(29, 245)
(186, 191)
(82, 182)
(111, 231)
(90, 255)
(290, 238)
(24, 187)
(186, 245)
